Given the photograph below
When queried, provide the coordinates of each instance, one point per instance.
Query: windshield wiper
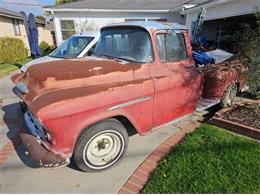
(117, 58)
(105, 56)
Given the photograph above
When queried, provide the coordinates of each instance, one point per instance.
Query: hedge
(12, 50)
(45, 48)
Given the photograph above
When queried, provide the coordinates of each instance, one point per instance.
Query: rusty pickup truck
(141, 76)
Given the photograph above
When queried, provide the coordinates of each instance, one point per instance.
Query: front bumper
(37, 147)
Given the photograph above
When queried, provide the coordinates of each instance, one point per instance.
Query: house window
(16, 26)
(171, 47)
(67, 28)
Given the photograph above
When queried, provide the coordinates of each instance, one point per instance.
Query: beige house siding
(7, 30)
(45, 35)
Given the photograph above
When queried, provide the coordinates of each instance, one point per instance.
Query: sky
(28, 6)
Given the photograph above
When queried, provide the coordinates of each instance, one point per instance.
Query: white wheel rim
(103, 150)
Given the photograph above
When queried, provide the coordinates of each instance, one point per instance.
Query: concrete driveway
(20, 174)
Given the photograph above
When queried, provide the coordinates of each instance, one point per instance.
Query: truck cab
(141, 74)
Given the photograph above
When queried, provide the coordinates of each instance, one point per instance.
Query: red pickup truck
(141, 75)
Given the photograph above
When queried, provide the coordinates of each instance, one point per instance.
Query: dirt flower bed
(246, 114)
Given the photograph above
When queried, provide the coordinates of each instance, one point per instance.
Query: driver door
(176, 80)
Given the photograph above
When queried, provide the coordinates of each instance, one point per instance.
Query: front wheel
(229, 96)
(101, 146)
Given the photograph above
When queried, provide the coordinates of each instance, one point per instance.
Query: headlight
(22, 87)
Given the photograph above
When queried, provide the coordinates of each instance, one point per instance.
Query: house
(12, 25)
(224, 18)
(91, 15)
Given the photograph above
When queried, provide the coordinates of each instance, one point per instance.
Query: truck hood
(39, 61)
(72, 74)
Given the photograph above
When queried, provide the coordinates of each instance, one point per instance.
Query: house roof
(123, 5)
(10, 14)
(206, 4)
(16, 15)
(149, 25)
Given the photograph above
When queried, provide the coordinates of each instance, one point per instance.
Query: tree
(247, 40)
(41, 18)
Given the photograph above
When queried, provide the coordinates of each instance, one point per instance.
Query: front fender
(66, 130)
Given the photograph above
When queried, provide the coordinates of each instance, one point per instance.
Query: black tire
(229, 96)
(111, 131)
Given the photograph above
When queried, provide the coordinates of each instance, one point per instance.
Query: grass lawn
(209, 160)
(7, 68)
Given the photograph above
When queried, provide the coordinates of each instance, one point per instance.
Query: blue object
(197, 26)
(33, 37)
(202, 41)
(202, 58)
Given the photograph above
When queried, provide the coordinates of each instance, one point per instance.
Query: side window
(171, 47)
(182, 47)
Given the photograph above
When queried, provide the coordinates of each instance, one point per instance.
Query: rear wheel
(101, 146)
(229, 96)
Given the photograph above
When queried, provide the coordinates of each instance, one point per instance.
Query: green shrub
(12, 50)
(45, 48)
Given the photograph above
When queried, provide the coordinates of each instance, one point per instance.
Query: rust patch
(219, 76)
(72, 93)
(53, 82)
(72, 69)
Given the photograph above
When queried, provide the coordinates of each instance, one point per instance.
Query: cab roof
(149, 25)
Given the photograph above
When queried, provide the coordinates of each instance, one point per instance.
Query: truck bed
(217, 77)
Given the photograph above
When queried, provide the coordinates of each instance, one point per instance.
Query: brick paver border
(8, 149)
(141, 175)
(10, 146)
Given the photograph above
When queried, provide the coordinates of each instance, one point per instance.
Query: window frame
(153, 59)
(165, 47)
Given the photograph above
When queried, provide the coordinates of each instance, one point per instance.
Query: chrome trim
(34, 126)
(136, 101)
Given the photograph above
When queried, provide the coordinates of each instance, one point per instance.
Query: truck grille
(35, 126)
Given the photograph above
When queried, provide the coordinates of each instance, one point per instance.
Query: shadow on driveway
(13, 119)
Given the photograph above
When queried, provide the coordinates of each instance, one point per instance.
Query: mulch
(247, 114)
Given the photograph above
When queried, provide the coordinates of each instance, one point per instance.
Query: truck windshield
(72, 47)
(130, 44)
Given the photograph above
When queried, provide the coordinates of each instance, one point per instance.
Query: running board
(204, 104)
